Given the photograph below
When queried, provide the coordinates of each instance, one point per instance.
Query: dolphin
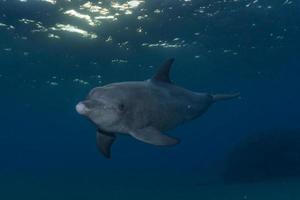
(144, 109)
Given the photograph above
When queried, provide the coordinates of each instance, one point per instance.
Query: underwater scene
(150, 99)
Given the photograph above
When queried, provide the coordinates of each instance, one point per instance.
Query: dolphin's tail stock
(221, 97)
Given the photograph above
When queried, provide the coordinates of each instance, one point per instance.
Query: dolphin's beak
(81, 108)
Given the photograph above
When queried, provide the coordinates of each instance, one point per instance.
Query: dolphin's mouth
(82, 109)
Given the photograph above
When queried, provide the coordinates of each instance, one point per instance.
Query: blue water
(53, 52)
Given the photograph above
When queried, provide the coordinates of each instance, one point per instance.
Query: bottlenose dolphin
(143, 109)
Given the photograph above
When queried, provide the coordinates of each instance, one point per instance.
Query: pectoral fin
(152, 136)
(104, 142)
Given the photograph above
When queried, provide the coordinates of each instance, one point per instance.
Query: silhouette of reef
(263, 156)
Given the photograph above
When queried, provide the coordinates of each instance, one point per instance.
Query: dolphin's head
(103, 107)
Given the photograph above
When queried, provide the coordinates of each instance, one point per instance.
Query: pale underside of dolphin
(144, 109)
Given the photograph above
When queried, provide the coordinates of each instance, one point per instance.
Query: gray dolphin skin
(143, 109)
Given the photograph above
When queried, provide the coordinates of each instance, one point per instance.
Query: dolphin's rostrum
(143, 109)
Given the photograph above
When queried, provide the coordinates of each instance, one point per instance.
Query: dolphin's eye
(121, 107)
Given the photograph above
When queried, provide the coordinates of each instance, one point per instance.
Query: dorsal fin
(163, 72)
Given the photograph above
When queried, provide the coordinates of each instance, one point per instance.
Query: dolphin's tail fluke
(221, 97)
